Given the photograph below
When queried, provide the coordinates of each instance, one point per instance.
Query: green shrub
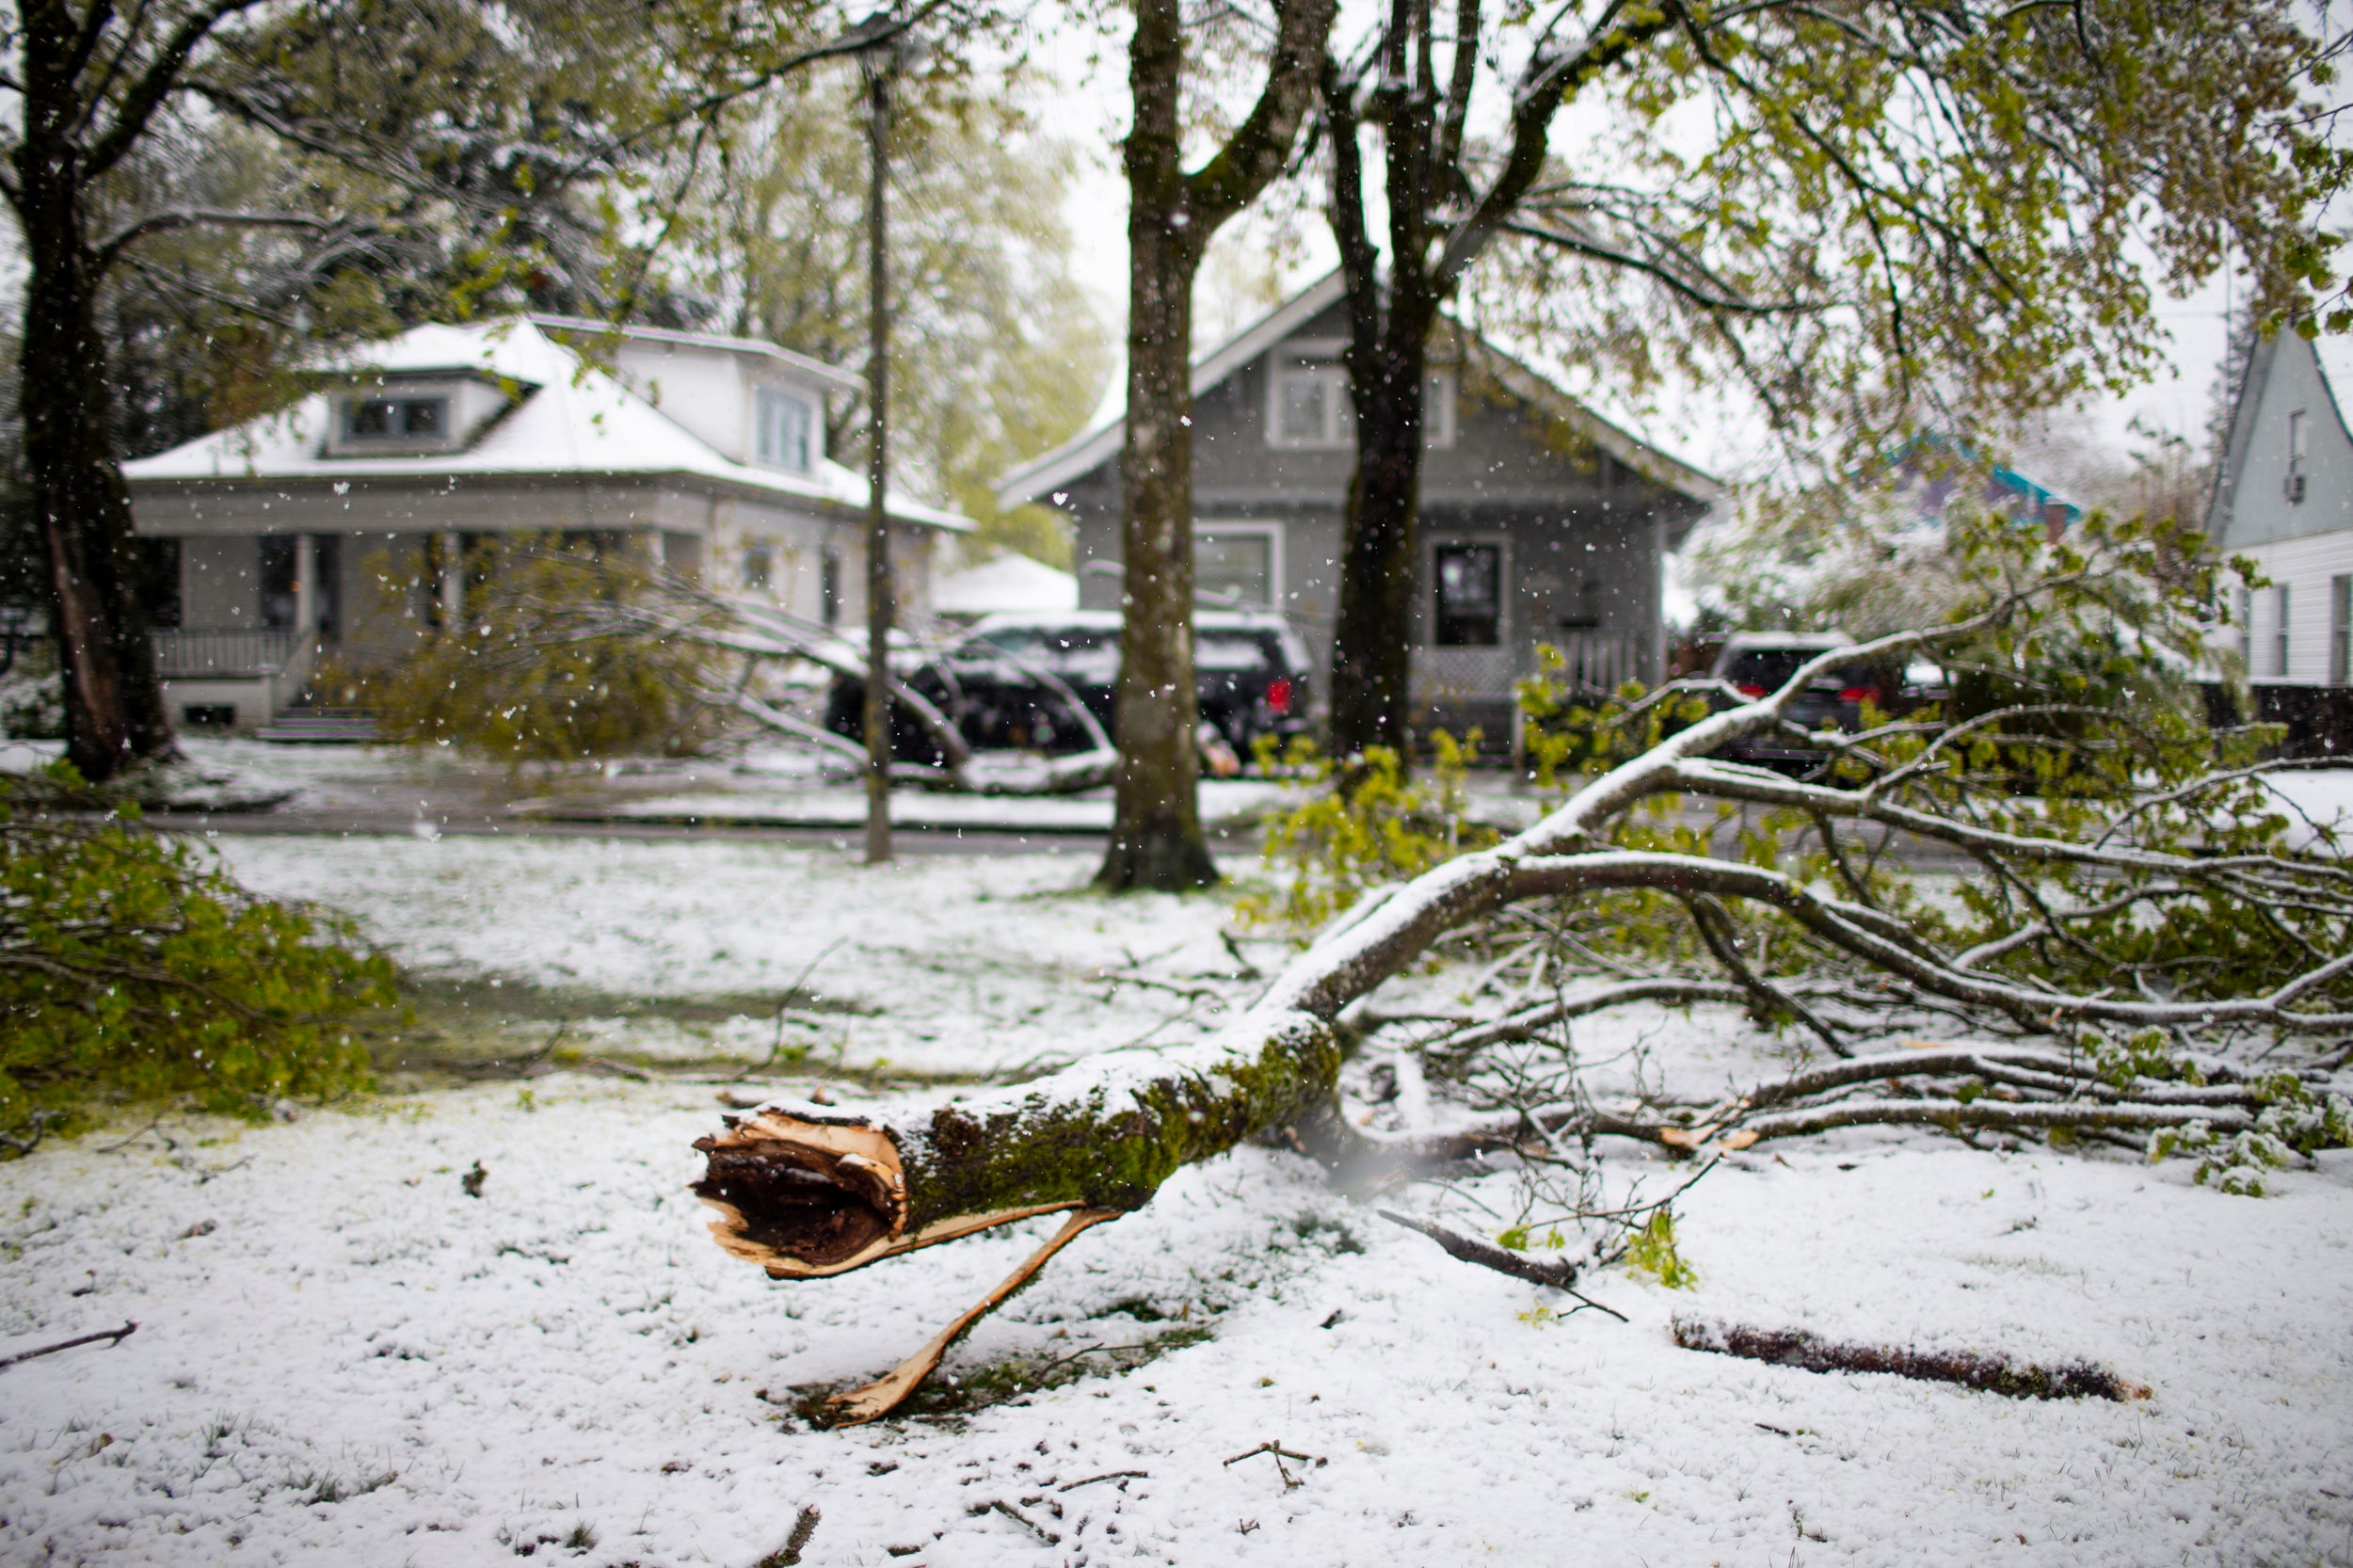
(538, 672)
(1360, 828)
(132, 967)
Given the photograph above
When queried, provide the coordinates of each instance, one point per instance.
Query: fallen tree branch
(806, 1192)
(1992, 1374)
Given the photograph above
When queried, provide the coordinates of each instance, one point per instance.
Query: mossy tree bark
(1156, 841)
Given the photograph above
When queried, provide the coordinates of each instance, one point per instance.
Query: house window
(403, 420)
(2280, 657)
(829, 588)
(760, 566)
(1470, 596)
(2341, 631)
(281, 582)
(1234, 567)
(1437, 409)
(2247, 630)
(158, 567)
(1308, 407)
(2300, 453)
(784, 430)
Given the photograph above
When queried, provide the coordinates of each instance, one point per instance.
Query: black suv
(1757, 663)
(1250, 675)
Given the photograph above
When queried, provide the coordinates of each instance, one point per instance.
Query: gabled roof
(1087, 452)
(572, 421)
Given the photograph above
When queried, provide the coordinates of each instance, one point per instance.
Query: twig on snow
(1280, 1453)
(1556, 1273)
(113, 1337)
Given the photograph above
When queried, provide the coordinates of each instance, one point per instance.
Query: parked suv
(1250, 675)
(1756, 663)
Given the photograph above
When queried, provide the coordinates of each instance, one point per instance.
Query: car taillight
(1858, 694)
(1749, 688)
(1279, 694)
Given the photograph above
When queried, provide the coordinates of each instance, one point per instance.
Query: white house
(340, 526)
(2285, 499)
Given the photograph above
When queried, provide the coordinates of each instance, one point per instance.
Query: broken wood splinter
(880, 1397)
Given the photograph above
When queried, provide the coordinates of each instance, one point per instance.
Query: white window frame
(1240, 527)
(2341, 629)
(2284, 599)
(1339, 427)
(771, 395)
(2299, 454)
(1438, 412)
(347, 419)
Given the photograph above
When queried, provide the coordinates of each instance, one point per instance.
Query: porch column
(453, 581)
(306, 567)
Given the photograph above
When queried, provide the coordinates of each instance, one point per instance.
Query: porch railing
(183, 655)
(1593, 664)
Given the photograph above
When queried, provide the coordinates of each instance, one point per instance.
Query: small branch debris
(1280, 1454)
(1992, 1374)
(1556, 1273)
(999, 1505)
(1110, 1475)
(472, 1181)
(789, 1554)
(113, 1337)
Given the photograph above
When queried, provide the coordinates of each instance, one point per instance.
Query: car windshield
(1767, 669)
(1075, 653)
(1233, 653)
(1090, 654)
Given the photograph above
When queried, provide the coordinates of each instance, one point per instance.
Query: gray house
(1541, 523)
(2285, 499)
(342, 526)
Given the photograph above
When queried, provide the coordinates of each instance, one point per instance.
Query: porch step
(321, 727)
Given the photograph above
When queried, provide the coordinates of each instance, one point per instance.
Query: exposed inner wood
(880, 1397)
(803, 1197)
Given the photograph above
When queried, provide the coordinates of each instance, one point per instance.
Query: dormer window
(784, 430)
(397, 421)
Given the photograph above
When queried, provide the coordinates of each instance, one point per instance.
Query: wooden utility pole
(878, 64)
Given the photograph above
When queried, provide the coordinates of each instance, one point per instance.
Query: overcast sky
(1088, 111)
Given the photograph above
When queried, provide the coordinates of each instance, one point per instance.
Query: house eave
(357, 479)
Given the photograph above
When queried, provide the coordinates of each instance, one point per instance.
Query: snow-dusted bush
(132, 967)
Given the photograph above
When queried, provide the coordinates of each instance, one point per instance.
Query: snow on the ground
(937, 964)
(325, 1314)
(1224, 803)
(344, 1358)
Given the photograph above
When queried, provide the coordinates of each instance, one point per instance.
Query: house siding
(2304, 546)
(1585, 536)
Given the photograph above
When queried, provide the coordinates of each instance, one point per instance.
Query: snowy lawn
(344, 1359)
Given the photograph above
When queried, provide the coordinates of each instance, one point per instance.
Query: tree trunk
(114, 702)
(1388, 351)
(1371, 652)
(1156, 841)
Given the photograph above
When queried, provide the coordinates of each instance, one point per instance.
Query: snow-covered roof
(759, 348)
(1084, 452)
(1008, 583)
(572, 419)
